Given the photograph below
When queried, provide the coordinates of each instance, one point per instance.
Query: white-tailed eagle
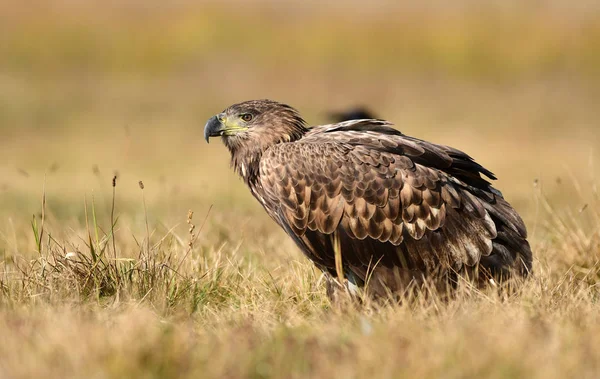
(370, 205)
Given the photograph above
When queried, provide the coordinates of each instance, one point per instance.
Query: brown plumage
(399, 209)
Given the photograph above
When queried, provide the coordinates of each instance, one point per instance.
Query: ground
(121, 281)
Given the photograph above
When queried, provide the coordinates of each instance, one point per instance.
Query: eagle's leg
(338, 286)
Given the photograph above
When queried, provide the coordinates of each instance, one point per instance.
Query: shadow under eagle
(370, 206)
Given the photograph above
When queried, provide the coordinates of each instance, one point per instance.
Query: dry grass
(207, 307)
(105, 279)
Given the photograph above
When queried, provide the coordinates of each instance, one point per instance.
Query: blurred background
(88, 89)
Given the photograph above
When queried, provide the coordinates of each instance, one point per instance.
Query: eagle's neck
(246, 154)
(247, 163)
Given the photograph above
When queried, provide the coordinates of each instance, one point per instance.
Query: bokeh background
(92, 88)
(88, 89)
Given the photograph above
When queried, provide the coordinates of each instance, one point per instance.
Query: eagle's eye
(247, 117)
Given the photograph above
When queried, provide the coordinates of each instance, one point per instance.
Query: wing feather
(393, 198)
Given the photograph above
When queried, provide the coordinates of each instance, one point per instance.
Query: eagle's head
(248, 129)
(256, 123)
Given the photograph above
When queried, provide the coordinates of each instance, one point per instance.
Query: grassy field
(105, 281)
